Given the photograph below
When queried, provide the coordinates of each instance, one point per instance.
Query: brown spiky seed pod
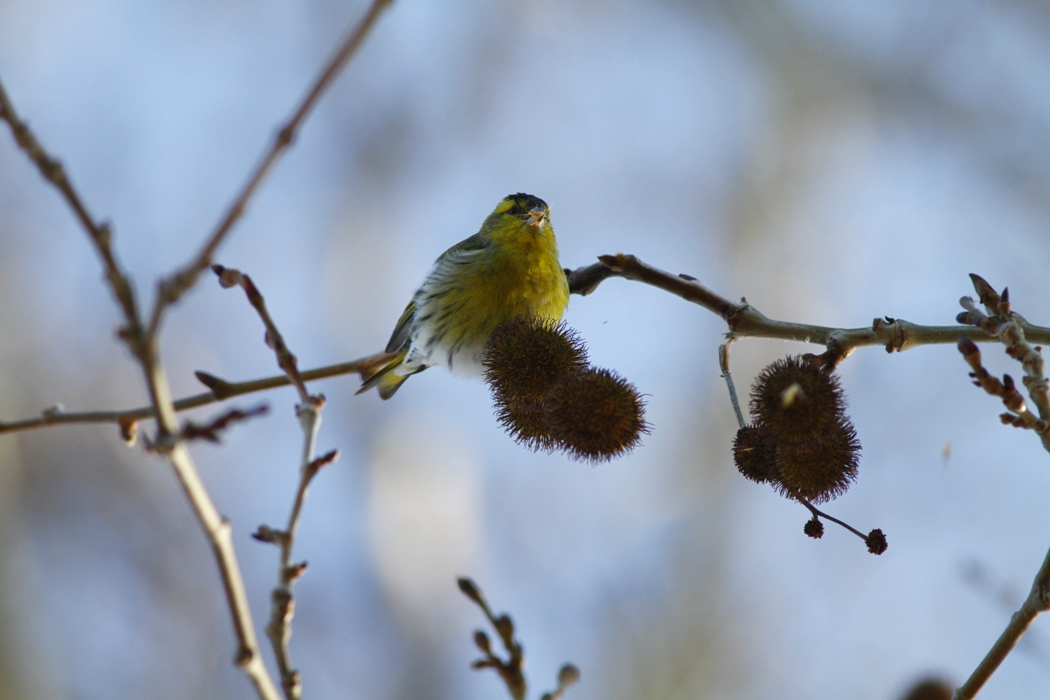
(754, 452)
(523, 361)
(596, 415)
(876, 541)
(814, 528)
(526, 356)
(796, 399)
(822, 468)
(527, 423)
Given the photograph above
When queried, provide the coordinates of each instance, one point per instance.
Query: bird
(507, 269)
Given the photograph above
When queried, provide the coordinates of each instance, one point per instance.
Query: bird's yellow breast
(517, 274)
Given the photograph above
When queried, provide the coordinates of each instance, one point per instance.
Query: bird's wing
(463, 252)
(404, 325)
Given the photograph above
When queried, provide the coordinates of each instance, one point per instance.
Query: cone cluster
(548, 397)
(802, 442)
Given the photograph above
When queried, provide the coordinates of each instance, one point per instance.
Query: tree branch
(100, 234)
(171, 289)
(896, 335)
(1038, 601)
(220, 390)
(1001, 324)
(282, 608)
(216, 528)
(143, 342)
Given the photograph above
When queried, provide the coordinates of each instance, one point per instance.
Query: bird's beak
(536, 216)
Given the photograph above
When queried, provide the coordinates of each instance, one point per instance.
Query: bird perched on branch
(507, 269)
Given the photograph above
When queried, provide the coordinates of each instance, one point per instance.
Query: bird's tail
(390, 377)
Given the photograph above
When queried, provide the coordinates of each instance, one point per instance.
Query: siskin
(507, 269)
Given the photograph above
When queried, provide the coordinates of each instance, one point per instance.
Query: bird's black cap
(524, 203)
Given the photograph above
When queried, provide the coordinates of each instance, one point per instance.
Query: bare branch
(99, 233)
(216, 528)
(282, 607)
(220, 391)
(896, 335)
(171, 289)
(512, 671)
(229, 277)
(723, 364)
(210, 431)
(279, 629)
(1000, 323)
(143, 343)
(1038, 601)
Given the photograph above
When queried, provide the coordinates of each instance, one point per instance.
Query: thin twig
(512, 670)
(210, 431)
(723, 363)
(220, 390)
(282, 607)
(821, 514)
(282, 600)
(1038, 601)
(894, 334)
(217, 529)
(1000, 323)
(171, 289)
(1034, 644)
(143, 343)
(228, 277)
(100, 234)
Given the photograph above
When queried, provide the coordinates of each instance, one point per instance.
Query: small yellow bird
(508, 268)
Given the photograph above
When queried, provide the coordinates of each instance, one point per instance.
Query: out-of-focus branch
(217, 529)
(228, 277)
(1038, 601)
(220, 390)
(998, 322)
(172, 288)
(210, 431)
(99, 233)
(282, 602)
(143, 341)
(511, 670)
(219, 534)
(282, 609)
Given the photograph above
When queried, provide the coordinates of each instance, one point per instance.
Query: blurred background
(831, 161)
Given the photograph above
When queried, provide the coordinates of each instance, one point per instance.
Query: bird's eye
(524, 204)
